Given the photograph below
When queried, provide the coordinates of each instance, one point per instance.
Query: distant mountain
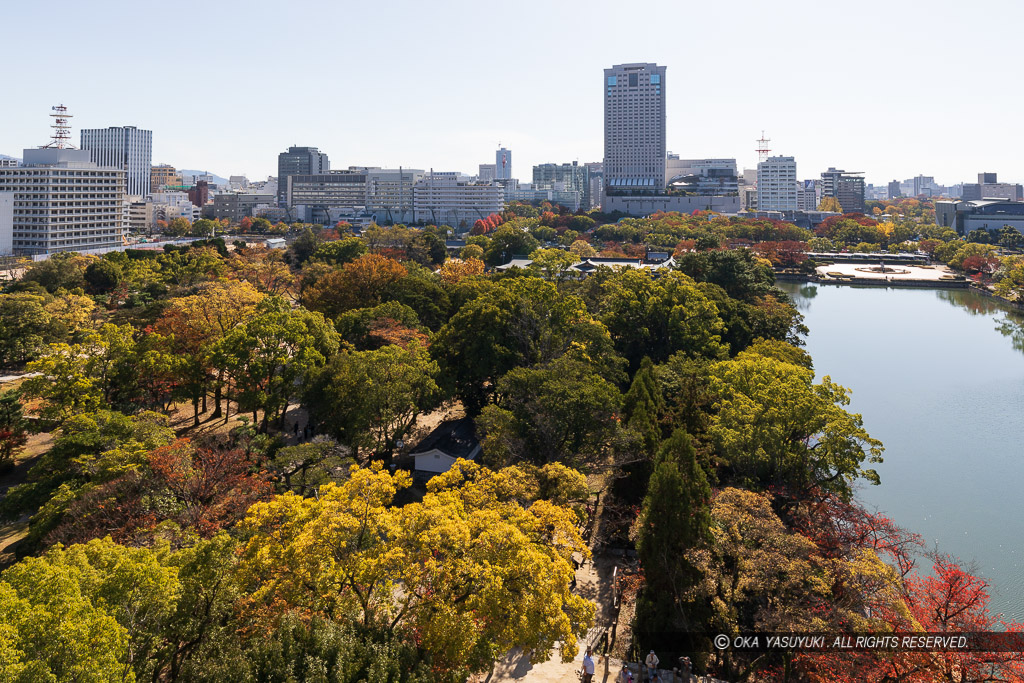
(216, 178)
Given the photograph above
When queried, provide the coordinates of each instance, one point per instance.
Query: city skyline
(435, 99)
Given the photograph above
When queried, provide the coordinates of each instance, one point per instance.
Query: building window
(634, 80)
(611, 80)
(655, 79)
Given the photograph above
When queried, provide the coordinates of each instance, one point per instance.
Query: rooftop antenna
(60, 139)
(762, 148)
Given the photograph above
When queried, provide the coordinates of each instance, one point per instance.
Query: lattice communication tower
(61, 136)
(762, 148)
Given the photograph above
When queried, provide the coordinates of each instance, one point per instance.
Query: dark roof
(456, 438)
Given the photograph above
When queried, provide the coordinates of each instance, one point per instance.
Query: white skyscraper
(503, 164)
(634, 127)
(124, 147)
(777, 184)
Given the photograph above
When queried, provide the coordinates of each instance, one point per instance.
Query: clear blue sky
(891, 88)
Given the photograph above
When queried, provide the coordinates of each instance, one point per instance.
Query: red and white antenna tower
(762, 148)
(60, 139)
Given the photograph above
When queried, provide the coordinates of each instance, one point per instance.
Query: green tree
(339, 252)
(305, 467)
(178, 227)
(519, 322)
(270, 355)
(65, 383)
(204, 227)
(371, 398)
(102, 276)
(88, 449)
(659, 316)
(553, 264)
(563, 411)
(25, 327)
(508, 241)
(63, 270)
(775, 427)
(643, 405)
(675, 518)
(13, 427)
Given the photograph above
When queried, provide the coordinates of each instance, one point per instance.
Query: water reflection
(952, 470)
(972, 302)
(1012, 326)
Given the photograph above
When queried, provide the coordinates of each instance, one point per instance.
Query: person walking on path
(652, 664)
(625, 676)
(685, 668)
(588, 667)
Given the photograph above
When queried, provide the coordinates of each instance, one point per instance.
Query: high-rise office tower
(634, 127)
(777, 184)
(503, 164)
(125, 147)
(298, 161)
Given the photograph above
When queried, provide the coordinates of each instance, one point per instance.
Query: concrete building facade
(63, 201)
(161, 175)
(442, 198)
(777, 184)
(234, 206)
(847, 187)
(982, 214)
(389, 193)
(634, 128)
(298, 161)
(702, 177)
(124, 147)
(566, 178)
(6, 223)
(319, 192)
(807, 198)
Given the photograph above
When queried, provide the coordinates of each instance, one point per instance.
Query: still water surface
(939, 377)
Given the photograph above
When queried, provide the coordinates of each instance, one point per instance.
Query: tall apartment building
(564, 178)
(161, 175)
(777, 184)
(595, 173)
(634, 127)
(847, 187)
(298, 161)
(807, 195)
(199, 194)
(487, 172)
(125, 147)
(63, 201)
(442, 198)
(503, 164)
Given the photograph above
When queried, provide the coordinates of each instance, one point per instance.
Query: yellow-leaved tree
(481, 565)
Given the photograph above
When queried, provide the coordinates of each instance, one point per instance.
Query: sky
(893, 89)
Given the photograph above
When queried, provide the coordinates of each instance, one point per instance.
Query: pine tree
(675, 517)
(643, 406)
